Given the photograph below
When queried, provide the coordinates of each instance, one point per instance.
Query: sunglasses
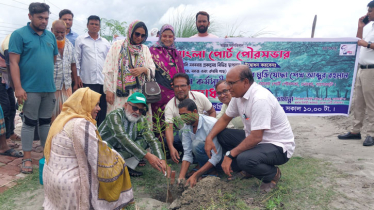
(137, 34)
(135, 109)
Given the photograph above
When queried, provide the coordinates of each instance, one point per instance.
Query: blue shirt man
(32, 53)
(67, 16)
(194, 134)
(32, 48)
(72, 36)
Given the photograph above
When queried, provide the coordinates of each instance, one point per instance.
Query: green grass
(28, 184)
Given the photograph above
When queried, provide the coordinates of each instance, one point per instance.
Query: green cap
(138, 98)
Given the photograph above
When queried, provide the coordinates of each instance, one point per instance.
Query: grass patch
(29, 184)
(306, 183)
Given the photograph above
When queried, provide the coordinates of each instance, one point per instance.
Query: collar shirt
(260, 110)
(366, 54)
(62, 74)
(72, 36)
(90, 55)
(172, 111)
(204, 127)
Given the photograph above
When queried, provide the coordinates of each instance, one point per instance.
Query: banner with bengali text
(307, 76)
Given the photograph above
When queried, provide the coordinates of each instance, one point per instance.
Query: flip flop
(12, 153)
(12, 144)
(142, 163)
(18, 138)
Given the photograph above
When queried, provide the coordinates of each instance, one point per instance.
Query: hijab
(78, 105)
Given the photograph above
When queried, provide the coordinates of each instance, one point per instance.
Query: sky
(275, 18)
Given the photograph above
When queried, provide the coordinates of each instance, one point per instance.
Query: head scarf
(78, 105)
(167, 58)
(126, 81)
(159, 42)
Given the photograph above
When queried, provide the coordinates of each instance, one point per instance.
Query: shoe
(267, 187)
(134, 173)
(350, 135)
(368, 141)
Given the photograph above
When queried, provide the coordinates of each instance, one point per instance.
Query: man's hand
(156, 162)
(209, 146)
(21, 95)
(174, 154)
(362, 42)
(360, 22)
(192, 181)
(138, 71)
(181, 180)
(79, 82)
(226, 165)
(109, 97)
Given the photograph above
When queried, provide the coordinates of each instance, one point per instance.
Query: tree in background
(112, 27)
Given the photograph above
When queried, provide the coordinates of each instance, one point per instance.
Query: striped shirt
(126, 137)
(62, 73)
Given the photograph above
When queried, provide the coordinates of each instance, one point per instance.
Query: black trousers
(99, 89)
(259, 161)
(8, 104)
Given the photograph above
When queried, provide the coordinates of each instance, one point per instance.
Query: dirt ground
(315, 137)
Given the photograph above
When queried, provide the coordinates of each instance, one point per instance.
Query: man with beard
(127, 131)
(32, 53)
(202, 25)
(181, 86)
(194, 133)
(64, 67)
(67, 16)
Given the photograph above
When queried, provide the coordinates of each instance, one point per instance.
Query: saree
(81, 171)
(168, 62)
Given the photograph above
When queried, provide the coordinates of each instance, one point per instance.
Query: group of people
(96, 125)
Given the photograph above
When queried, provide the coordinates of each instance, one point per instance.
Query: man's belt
(371, 66)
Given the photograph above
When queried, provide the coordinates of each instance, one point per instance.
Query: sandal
(142, 163)
(134, 173)
(15, 137)
(26, 167)
(240, 175)
(12, 144)
(12, 153)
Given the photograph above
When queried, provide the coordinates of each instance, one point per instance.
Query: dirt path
(317, 137)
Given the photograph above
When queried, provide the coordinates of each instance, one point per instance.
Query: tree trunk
(307, 93)
(346, 93)
(338, 93)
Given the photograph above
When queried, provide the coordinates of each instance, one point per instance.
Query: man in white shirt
(181, 85)
(202, 25)
(269, 139)
(91, 50)
(364, 87)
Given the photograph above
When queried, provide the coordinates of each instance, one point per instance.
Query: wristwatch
(369, 43)
(228, 154)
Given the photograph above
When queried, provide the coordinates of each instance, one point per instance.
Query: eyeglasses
(180, 86)
(137, 34)
(230, 84)
(225, 91)
(135, 108)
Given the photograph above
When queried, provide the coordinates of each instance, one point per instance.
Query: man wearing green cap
(127, 131)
